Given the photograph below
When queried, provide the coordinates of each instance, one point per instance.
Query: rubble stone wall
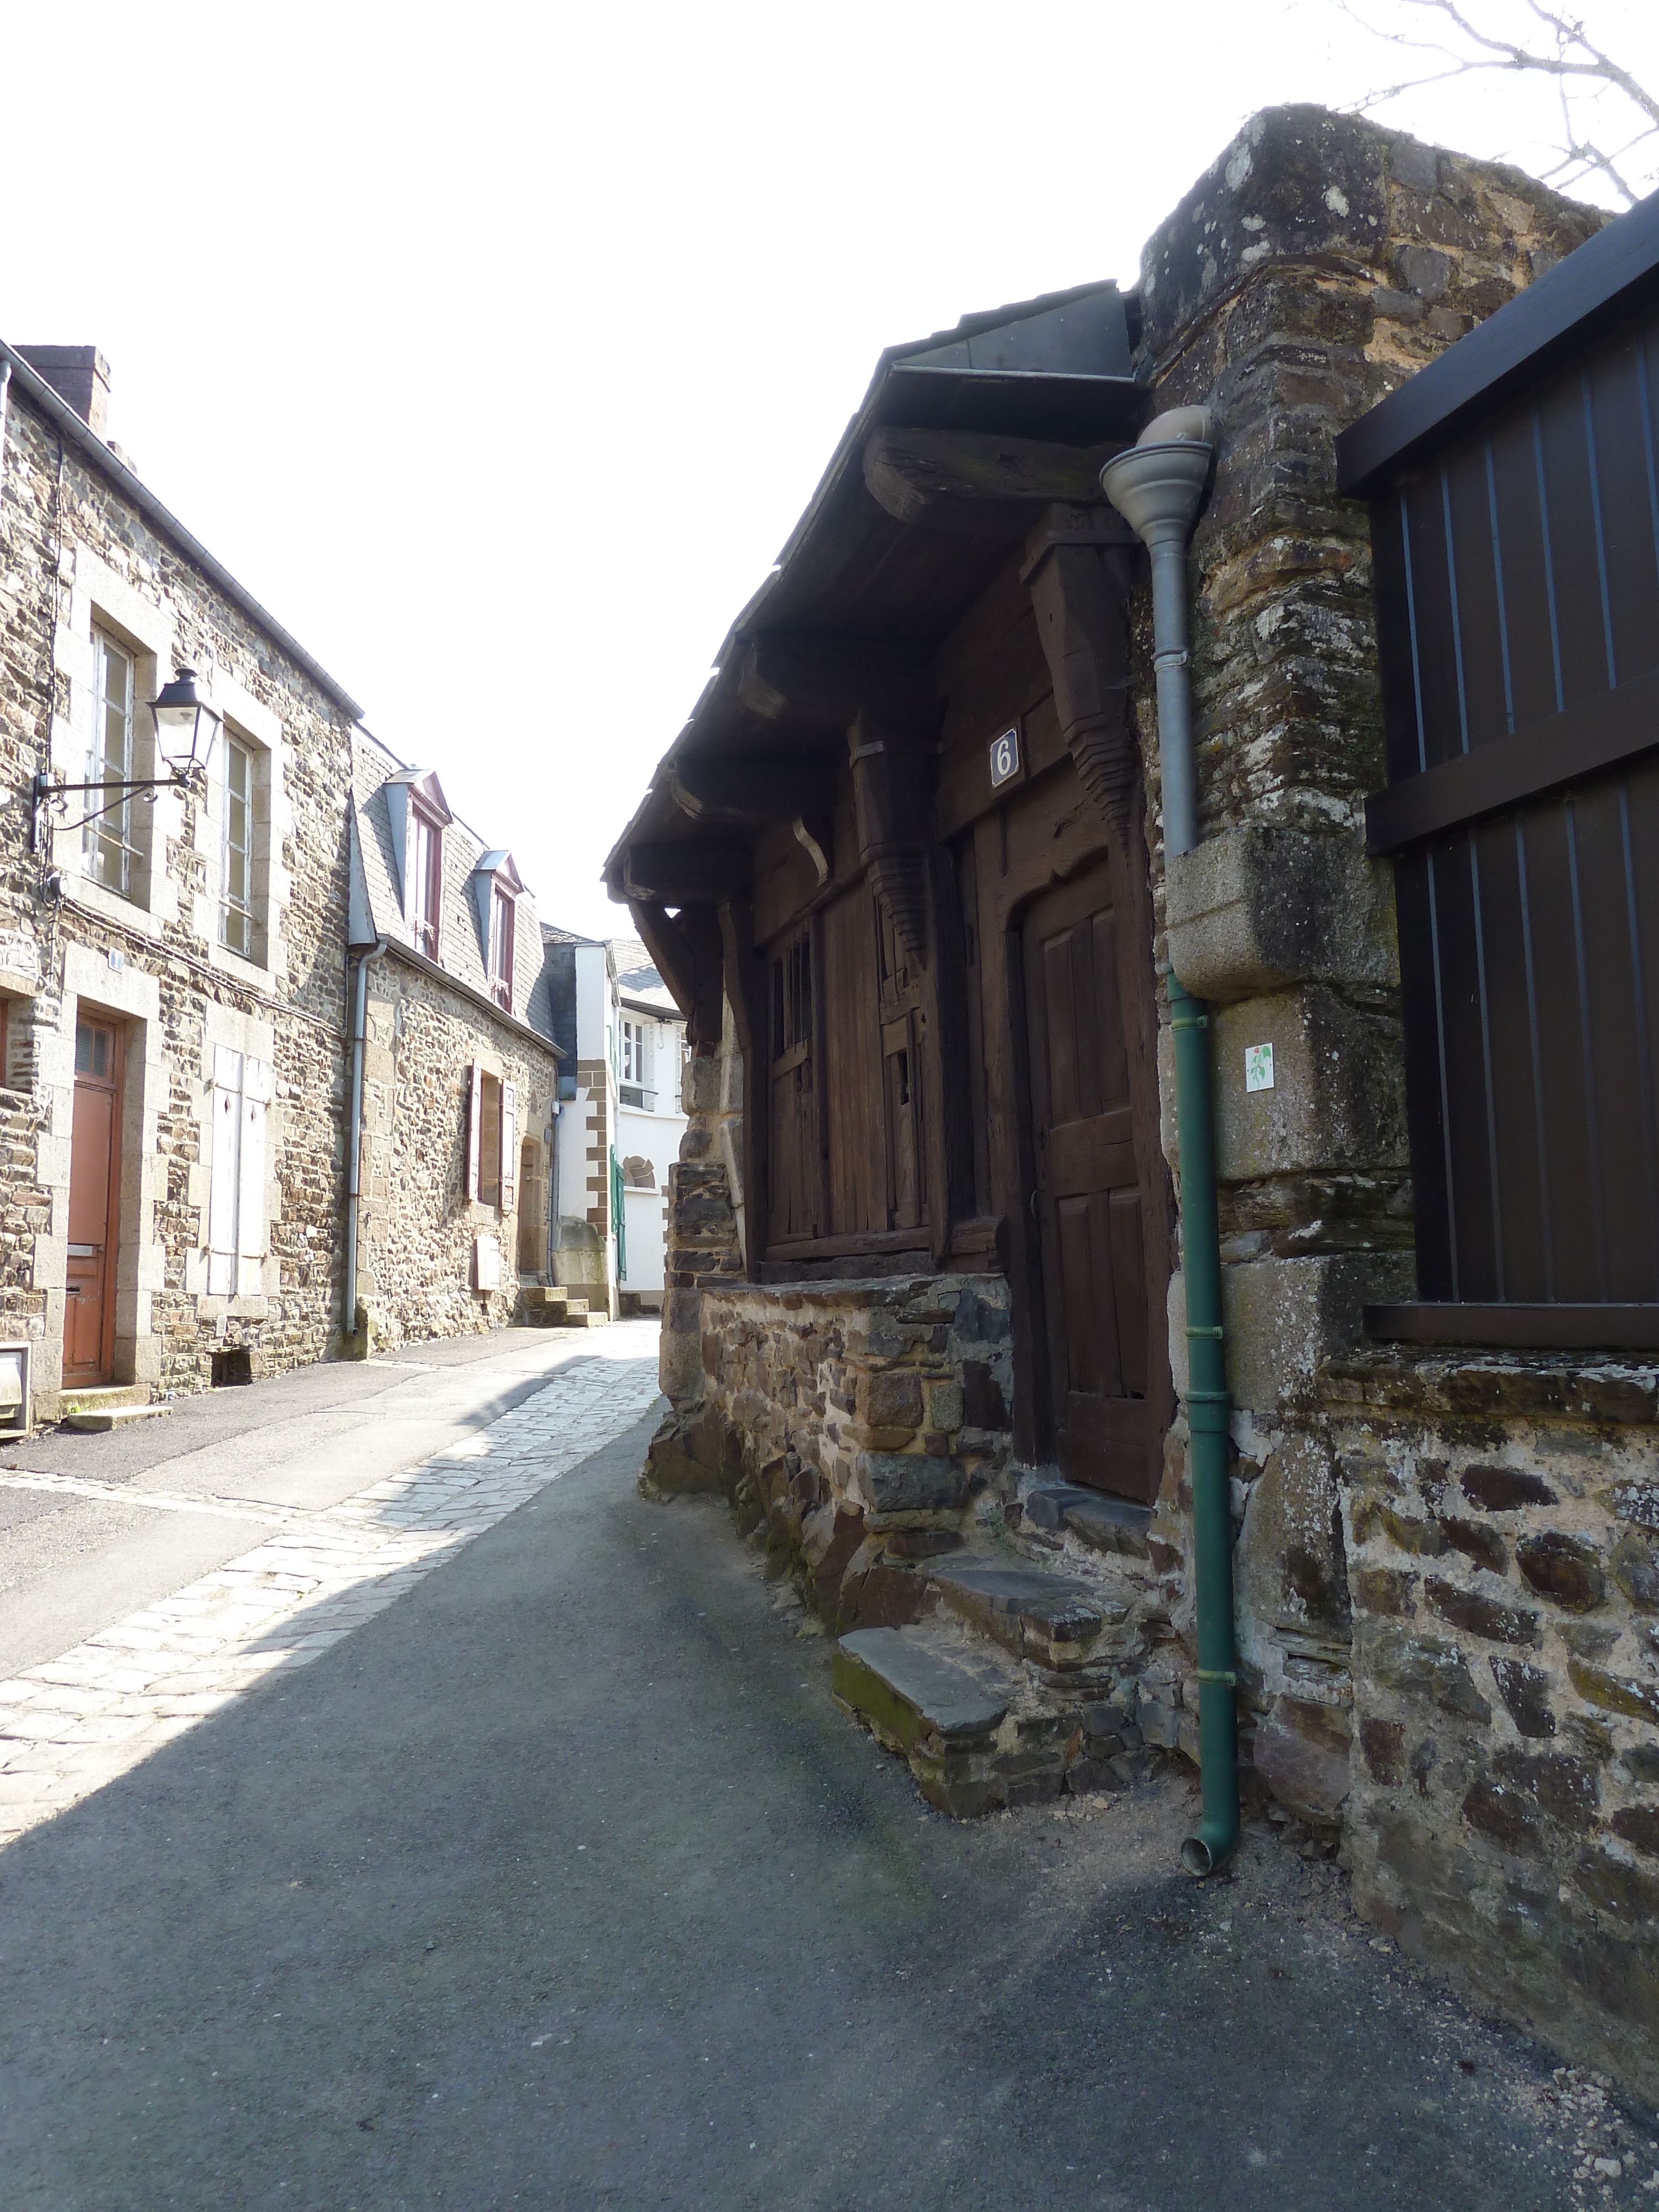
(867, 1422)
(1501, 1521)
(418, 1229)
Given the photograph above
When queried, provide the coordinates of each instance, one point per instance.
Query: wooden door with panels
(1086, 1194)
(94, 1207)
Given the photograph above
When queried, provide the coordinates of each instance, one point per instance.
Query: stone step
(100, 1397)
(960, 1716)
(1108, 1525)
(1052, 1619)
(98, 1421)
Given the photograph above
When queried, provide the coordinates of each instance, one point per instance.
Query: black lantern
(186, 726)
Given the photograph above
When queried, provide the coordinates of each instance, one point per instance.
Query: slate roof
(462, 952)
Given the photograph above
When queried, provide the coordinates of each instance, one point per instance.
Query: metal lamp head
(186, 726)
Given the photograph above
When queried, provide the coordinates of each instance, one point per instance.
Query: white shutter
(474, 1131)
(223, 1171)
(509, 1138)
(251, 1179)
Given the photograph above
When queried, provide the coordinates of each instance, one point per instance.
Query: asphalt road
(561, 1883)
(69, 1566)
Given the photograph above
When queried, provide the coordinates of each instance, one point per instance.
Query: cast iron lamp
(185, 726)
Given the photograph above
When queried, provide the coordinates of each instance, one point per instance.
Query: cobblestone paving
(77, 1722)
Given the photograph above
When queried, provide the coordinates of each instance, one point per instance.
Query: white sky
(496, 349)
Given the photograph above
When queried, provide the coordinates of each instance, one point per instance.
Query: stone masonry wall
(418, 1228)
(864, 1422)
(1439, 1661)
(73, 552)
(1501, 1517)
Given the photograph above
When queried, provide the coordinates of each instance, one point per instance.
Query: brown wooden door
(1086, 1200)
(94, 1204)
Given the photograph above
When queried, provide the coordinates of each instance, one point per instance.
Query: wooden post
(746, 987)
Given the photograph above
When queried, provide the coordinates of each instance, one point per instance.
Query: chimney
(79, 377)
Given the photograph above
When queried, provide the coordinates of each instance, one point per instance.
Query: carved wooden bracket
(686, 951)
(1081, 593)
(883, 702)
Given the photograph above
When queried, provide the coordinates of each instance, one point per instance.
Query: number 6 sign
(1005, 758)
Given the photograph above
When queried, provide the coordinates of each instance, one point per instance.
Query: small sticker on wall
(1258, 1067)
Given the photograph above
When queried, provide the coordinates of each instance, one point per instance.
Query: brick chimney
(79, 377)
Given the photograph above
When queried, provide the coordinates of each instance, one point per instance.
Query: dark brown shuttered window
(1517, 584)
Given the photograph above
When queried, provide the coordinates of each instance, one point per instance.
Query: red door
(94, 1204)
(1087, 1200)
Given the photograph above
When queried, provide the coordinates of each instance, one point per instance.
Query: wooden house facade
(903, 832)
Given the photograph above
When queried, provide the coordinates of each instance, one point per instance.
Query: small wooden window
(791, 997)
(236, 849)
(492, 1135)
(426, 882)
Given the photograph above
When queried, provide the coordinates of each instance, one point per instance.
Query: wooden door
(1086, 1199)
(94, 1204)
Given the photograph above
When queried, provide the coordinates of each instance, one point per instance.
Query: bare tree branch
(1576, 63)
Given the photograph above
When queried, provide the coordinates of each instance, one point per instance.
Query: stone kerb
(1501, 1518)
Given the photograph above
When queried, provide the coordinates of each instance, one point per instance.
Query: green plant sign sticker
(1258, 1067)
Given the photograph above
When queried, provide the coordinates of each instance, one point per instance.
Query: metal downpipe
(355, 1138)
(1157, 487)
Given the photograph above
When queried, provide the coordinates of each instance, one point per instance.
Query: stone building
(459, 1081)
(906, 872)
(172, 1049)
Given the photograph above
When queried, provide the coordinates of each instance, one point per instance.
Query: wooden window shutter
(474, 1131)
(251, 1178)
(509, 1119)
(223, 1172)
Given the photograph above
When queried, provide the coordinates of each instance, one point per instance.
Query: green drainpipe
(1157, 486)
(1207, 1439)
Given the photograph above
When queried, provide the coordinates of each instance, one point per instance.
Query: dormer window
(495, 885)
(426, 885)
(503, 906)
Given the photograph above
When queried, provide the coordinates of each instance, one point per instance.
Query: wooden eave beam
(967, 481)
(692, 874)
(755, 791)
(833, 681)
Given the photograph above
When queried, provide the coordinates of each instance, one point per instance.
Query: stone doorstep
(98, 1421)
(1030, 1612)
(102, 1397)
(1107, 1524)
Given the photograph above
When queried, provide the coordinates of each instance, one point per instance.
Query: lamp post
(185, 727)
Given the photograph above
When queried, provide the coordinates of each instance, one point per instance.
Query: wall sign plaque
(1005, 758)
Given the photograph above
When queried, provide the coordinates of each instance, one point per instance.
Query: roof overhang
(963, 442)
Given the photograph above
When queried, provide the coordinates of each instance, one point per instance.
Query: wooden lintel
(764, 790)
(965, 481)
(685, 875)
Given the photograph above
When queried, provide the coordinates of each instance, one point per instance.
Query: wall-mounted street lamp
(185, 726)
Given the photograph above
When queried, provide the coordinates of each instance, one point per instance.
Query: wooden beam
(833, 681)
(692, 874)
(959, 480)
(745, 991)
(749, 790)
(685, 951)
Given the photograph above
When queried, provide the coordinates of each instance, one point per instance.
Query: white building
(620, 1130)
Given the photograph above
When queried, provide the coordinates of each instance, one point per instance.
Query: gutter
(348, 1324)
(1157, 487)
(70, 427)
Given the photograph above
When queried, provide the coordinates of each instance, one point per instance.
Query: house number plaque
(1005, 758)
